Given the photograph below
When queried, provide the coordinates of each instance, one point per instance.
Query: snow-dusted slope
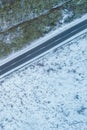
(50, 93)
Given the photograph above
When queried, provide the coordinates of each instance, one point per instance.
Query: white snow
(48, 94)
(66, 14)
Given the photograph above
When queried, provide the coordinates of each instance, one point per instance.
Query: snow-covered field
(48, 94)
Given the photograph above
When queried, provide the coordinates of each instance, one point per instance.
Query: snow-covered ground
(48, 94)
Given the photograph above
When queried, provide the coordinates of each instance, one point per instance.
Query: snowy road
(28, 56)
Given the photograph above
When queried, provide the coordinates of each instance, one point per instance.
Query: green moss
(5, 49)
(20, 11)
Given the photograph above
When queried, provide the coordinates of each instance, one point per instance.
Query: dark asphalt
(42, 48)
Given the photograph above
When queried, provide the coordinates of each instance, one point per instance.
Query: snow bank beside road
(50, 93)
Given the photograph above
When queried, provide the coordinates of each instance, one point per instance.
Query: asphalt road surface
(42, 48)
